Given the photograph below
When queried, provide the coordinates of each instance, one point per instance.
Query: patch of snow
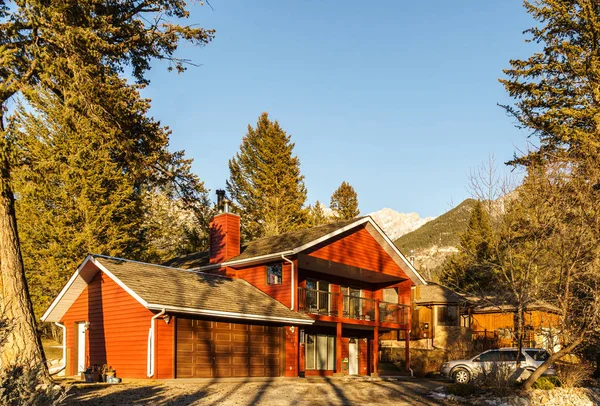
(396, 224)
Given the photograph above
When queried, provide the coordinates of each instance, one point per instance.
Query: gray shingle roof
(432, 293)
(265, 246)
(174, 287)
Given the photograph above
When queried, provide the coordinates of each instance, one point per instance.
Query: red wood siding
(164, 348)
(257, 276)
(361, 250)
(291, 351)
(363, 358)
(118, 331)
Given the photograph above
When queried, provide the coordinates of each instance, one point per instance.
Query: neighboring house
(493, 326)
(309, 302)
(436, 318)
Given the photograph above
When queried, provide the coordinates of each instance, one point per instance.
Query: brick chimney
(224, 232)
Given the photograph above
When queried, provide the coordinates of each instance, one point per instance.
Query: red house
(309, 302)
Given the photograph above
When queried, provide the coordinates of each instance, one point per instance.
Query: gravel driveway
(274, 392)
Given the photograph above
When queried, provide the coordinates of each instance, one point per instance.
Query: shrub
(462, 389)
(546, 383)
(496, 376)
(574, 375)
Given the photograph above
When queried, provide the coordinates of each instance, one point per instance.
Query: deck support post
(407, 350)
(338, 349)
(376, 341)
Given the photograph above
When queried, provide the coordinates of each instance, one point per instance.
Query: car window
(490, 356)
(510, 356)
(538, 355)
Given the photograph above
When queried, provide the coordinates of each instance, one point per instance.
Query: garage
(207, 349)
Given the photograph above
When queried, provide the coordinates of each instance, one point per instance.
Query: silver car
(464, 370)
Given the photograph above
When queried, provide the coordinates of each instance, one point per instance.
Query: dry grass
(52, 348)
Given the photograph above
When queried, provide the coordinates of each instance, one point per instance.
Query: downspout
(63, 361)
(292, 281)
(151, 360)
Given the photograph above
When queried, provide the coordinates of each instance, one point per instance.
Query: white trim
(291, 279)
(259, 259)
(66, 288)
(231, 315)
(151, 361)
(118, 282)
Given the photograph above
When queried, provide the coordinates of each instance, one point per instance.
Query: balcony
(326, 306)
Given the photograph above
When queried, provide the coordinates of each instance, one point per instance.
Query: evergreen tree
(472, 268)
(265, 182)
(77, 195)
(344, 202)
(317, 216)
(76, 50)
(556, 89)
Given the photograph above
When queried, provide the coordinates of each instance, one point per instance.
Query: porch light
(167, 318)
(86, 325)
(292, 329)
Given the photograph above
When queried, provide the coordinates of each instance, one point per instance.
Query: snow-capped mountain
(396, 224)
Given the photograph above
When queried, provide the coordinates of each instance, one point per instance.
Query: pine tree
(317, 216)
(76, 50)
(556, 89)
(265, 182)
(78, 196)
(472, 269)
(344, 202)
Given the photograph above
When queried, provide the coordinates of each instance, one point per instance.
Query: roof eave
(230, 315)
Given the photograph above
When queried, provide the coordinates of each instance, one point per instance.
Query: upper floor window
(274, 274)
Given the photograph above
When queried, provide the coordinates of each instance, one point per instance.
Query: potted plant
(108, 373)
(92, 374)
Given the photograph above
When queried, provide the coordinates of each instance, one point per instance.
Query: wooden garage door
(208, 349)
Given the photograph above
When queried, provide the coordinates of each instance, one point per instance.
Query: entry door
(353, 357)
(80, 347)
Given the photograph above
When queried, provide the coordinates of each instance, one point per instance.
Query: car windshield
(538, 355)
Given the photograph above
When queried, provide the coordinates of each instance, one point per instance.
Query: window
(538, 355)
(500, 356)
(447, 316)
(352, 302)
(317, 296)
(274, 273)
(320, 352)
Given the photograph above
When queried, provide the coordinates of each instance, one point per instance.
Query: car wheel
(461, 375)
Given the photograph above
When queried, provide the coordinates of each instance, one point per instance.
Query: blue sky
(398, 98)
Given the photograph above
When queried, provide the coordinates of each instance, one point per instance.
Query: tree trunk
(23, 345)
(519, 327)
(553, 358)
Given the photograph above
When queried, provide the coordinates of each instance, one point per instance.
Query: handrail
(325, 303)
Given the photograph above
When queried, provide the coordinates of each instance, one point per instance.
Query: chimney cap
(222, 202)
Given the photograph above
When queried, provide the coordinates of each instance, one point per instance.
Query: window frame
(269, 268)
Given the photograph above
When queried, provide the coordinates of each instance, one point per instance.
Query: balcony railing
(318, 302)
(393, 313)
(325, 303)
(359, 308)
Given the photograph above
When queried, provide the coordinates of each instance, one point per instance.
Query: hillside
(433, 242)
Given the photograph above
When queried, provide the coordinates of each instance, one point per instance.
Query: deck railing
(393, 313)
(359, 308)
(318, 302)
(326, 303)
